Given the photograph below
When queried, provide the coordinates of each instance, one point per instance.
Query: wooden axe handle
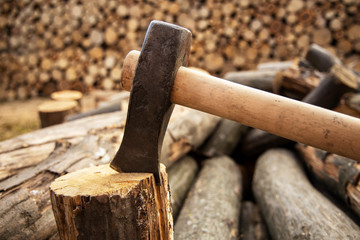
(288, 118)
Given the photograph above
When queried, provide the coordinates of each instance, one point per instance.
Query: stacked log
(29, 163)
(80, 45)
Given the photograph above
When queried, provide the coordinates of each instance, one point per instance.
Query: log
(333, 87)
(337, 175)
(181, 177)
(262, 80)
(291, 206)
(55, 112)
(212, 208)
(224, 139)
(274, 65)
(132, 206)
(257, 141)
(67, 95)
(111, 106)
(295, 82)
(30, 162)
(252, 226)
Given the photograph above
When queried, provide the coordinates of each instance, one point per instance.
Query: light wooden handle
(288, 118)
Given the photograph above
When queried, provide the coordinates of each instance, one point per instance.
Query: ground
(19, 117)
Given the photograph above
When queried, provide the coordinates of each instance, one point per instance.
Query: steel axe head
(166, 47)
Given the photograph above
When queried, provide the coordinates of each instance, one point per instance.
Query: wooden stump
(100, 203)
(54, 112)
(67, 95)
(291, 206)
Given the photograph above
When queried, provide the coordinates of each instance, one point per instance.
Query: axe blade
(166, 47)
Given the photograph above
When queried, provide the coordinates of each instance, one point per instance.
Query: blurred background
(53, 45)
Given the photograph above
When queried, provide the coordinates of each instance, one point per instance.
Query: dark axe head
(166, 47)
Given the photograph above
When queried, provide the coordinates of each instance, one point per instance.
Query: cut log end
(54, 112)
(99, 203)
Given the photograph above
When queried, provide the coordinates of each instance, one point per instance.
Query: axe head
(166, 47)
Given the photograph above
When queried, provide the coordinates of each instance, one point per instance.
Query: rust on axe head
(165, 49)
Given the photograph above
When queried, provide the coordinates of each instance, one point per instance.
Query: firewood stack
(56, 45)
(227, 181)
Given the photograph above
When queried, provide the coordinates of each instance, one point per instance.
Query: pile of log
(80, 45)
(227, 181)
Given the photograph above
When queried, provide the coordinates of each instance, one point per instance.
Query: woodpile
(227, 181)
(80, 45)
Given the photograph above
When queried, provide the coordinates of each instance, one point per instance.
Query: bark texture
(100, 203)
(181, 177)
(30, 162)
(224, 139)
(338, 175)
(291, 206)
(212, 208)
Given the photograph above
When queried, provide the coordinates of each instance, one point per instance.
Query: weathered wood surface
(296, 81)
(252, 225)
(291, 206)
(29, 163)
(114, 104)
(257, 141)
(182, 175)
(100, 203)
(212, 207)
(262, 80)
(224, 139)
(338, 175)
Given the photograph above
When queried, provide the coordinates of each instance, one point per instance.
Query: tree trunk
(291, 206)
(100, 203)
(338, 175)
(55, 112)
(181, 177)
(212, 208)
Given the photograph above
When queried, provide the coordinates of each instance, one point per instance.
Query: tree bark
(212, 208)
(132, 206)
(291, 206)
(262, 80)
(30, 162)
(181, 177)
(224, 139)
(257, 141)
(338, 175)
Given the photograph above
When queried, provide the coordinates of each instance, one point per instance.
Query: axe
(157, 78)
